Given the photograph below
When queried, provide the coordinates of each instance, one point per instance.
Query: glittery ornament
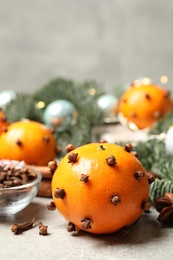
(60, 114)
(108, 105)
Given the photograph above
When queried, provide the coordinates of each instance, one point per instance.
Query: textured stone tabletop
(147, 239)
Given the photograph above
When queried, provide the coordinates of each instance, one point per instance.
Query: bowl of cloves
(19, 185)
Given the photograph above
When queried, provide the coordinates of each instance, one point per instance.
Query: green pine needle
(159, 187)
(23, 106)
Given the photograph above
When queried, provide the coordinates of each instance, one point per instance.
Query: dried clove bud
(52, 166)
(103, 141)
(147, 96)
(25, 178)
(152, 176)
(115, 199)
(71, 227)
(139, 174)
(2, 176)
(17, 182)
(84, 178)
(59, 193)
(51, 206)
(124, 231)
(19, 228)
(19, 142)
(134, 153)
(146, 205)
(4, 119)
(72, 157)
(86, 223)
(58, 150)
(4, 129)
(111, 160)
(8, 183)
(46, 139)
(42, 229)
(128, 147)
(69, 148)
(101, 147)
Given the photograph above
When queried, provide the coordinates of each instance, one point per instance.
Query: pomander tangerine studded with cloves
(100, 187)
(29, 141)
(142, 105)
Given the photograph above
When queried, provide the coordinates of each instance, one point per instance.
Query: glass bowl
(14, 199)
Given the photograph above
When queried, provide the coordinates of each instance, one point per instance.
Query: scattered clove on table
(19, 228)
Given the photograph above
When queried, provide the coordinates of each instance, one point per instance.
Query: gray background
(110, 41)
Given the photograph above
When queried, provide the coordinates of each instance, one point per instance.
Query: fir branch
(162, 125)
(22, 106)
(77, 93)
(159, 187)
(153, 156)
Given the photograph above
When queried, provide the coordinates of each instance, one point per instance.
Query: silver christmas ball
(108, 105)
(60, 114)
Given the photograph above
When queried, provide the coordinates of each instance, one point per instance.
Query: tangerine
(100, 188)
(144, 104)
(29, 141)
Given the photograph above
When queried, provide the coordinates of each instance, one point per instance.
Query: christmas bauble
(60, 114)
(6, 96)
(108, 105)
(169, 141)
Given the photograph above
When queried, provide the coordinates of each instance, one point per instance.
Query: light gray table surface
(147, 239)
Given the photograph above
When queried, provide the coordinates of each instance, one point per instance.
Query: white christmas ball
(169, 141)
(60, 114)
(6, 96)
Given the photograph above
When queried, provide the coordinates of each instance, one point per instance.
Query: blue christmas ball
(6, 96)
(107, 103)
(60, 114)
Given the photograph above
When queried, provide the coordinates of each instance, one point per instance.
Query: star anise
(164, 205)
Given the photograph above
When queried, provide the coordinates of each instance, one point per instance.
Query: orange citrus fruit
(144, 105)
(3, 121)
(28, 140)
(100, 188)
